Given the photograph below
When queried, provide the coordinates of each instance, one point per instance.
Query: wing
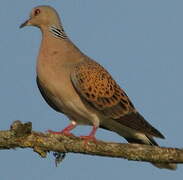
(97, 87)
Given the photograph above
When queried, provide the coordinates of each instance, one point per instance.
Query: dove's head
(42, 16)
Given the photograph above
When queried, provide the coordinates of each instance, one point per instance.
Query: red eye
(36, 12)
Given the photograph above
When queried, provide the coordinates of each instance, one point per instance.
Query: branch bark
(21, 135)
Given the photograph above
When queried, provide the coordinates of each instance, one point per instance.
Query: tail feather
(135, 136)
(170, 166)
(151, 141)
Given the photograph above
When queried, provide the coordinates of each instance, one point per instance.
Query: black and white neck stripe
(58, 32)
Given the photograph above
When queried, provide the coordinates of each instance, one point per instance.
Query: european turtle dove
(74, 84)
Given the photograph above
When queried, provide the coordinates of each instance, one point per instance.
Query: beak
(26, 23)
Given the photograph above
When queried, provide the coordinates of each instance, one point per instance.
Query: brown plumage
(74, 84)
(98, 88)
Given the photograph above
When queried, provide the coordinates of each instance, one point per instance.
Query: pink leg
(65, 131)
(91, 136)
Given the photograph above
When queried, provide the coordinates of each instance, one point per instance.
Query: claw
(66, 133)
(88, 138)
(91, 136)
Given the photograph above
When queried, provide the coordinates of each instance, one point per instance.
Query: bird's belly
(65, 97)
(77, 111)
(70, 103)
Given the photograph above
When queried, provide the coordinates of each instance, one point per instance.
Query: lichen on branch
(21, 135)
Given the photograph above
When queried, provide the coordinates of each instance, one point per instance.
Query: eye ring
(36, 12)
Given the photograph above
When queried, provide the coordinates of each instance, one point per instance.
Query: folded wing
(97, 87)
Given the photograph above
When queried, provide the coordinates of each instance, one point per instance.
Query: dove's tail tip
(150, 141)
(169, 166)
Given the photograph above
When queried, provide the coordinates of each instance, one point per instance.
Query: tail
(135, 129)
(150, 141)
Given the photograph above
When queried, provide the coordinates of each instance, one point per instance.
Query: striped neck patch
(58, 32)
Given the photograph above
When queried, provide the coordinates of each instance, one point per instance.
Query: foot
(88, 138)
(91, 136)
(65, 131)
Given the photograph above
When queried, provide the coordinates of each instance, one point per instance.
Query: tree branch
(21, 136)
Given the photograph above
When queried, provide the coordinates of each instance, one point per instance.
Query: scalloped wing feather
(97, 87)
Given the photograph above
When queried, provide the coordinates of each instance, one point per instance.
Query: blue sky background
(141, 45)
